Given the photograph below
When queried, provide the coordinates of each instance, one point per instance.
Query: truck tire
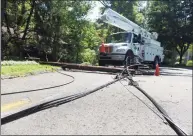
(101, 63)
(131, 58)
(156, 61)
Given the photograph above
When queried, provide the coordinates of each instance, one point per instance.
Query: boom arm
(115, 19)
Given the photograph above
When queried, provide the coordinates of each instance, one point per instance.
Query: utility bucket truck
(135, 42)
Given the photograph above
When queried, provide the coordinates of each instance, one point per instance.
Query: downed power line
(45, 88)
(53, 101)
(50, 102)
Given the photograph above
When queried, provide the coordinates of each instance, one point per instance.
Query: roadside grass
(21, 70)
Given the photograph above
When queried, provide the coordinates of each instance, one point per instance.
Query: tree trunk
(3, 9)
(77, 57)
(182, 51)
(28, 20)
(54, 53)
(5, 17)
(46, 57)
(55, 44)
(180, 61)
(19, 44)
(60, 58)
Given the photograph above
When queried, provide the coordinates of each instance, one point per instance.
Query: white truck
(135, 42)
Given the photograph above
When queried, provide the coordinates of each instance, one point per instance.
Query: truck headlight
(120, 50)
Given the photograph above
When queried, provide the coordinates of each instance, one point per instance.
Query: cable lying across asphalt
(163, 112)
(46, 88)
(166, 119)
(161, 117)
(50, 102)
(53, 102)
(160, 109)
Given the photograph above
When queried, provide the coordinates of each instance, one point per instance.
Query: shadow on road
(178, 68)
(168, 71)
(174, 74)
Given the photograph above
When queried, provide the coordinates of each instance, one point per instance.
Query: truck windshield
(120, 37)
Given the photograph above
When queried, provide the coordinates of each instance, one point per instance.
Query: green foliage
(88, 56)
(128, 9)
(54, 27)
(189, 63)
(191, 48)
(59, 29)
(172, 20)
(63, 24)
(90, 38)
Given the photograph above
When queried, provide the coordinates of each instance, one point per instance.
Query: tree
(54, 27)
(59, 23)
(172, 21)
(17, 18)
(57, 30)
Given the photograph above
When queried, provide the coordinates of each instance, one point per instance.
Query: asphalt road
(112, 110)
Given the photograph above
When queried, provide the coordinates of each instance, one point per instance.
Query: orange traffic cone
(157, 73)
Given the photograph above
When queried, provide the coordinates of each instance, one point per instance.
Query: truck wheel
(156, 61)
(130, 59)
(101, 63)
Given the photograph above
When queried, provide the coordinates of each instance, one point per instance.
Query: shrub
(88, 56)
(189, 63)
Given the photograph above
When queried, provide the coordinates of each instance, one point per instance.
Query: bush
(88, 56)
(189, 63)
(11, 62)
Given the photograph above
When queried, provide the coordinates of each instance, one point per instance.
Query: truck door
(136, 45)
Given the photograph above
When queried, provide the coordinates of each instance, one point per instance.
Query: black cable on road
(160, 116)
(52, 102)
(164, 113)
(48, 103)
(177, 129)
(46, 88)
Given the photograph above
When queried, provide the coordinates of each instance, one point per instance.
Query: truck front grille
(105, 57)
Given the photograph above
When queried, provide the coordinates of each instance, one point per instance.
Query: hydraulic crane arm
(113, 18)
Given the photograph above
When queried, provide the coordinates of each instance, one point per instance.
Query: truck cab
(117, 46)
